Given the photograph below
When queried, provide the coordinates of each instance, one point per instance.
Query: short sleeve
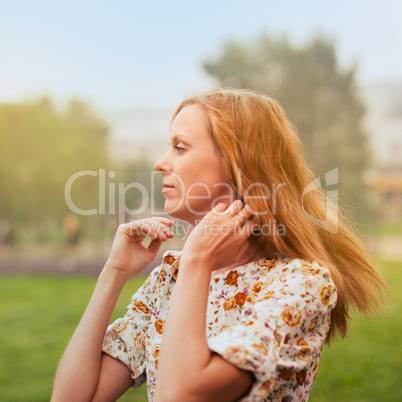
(282, 328)
(125, 337)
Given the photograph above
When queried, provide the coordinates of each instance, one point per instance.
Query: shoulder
(297, 278)
(295, 267)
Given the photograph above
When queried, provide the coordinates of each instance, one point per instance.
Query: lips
(167, 187)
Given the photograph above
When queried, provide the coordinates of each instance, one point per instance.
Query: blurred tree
(319, 96)
(41, 147)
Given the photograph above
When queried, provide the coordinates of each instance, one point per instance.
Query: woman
(258, 287)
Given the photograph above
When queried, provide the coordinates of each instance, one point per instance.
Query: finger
(153, 228)
(159, 229)
(164, 235)
(245, 213)
(154, 246)
(139, 228)
(235, 207)
(165, 221)
(219, 208)
(131, 228)
(162, 230)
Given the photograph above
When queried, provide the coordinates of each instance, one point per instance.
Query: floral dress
(270, 317)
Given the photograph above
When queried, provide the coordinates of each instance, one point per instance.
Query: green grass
(39, 314)
(366, 366)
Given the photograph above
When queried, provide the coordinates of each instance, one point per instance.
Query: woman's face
(194, 180)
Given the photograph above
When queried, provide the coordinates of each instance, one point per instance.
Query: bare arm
(83, 373)
(79, 370)
(200, 375)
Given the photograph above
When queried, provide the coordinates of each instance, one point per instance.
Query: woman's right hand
(129, 256)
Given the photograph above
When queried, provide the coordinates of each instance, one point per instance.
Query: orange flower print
(159, 325)
(162, 274)
(155, 350)
(229, 303)
(267, 283)
(240, 298)
(301, 377)
(169, 259)
(138, 340)
(251, 297)
(308, 270)
(279, 337)
(282, 278)
(267, 385)
(286, 374)
(147, 281)
(264, 262)
(291, 316)
(260, 348)
(231, 278)
(156, 364)
(140, 306)
(326, 293)
(304, 354)
(313, 325)
(257, 287)
(119, 327)
(266, 296)
(271, 263)
(236, 354)
(301, 342)
(313, 380)
(175, 269)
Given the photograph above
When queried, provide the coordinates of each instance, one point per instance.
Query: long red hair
(259, 145)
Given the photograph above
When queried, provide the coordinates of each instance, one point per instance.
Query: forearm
(184, 349)
(78, 373)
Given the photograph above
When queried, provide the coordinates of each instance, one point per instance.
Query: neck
(253, 253)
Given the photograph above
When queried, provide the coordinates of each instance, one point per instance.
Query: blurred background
(87, 90)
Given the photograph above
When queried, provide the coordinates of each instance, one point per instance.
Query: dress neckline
(276, 256)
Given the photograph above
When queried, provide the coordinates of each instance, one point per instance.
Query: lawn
(38, 315)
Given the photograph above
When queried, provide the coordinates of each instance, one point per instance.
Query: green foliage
(319, 96)
(39, 314)
(41, 147)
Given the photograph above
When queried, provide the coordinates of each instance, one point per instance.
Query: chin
(174, 211)
(193, 216)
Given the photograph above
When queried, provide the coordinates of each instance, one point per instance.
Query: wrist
(114, 275)
(196, 261)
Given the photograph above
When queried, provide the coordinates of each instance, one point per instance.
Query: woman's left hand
(221, 238)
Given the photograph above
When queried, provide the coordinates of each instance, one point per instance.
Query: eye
(179, 150)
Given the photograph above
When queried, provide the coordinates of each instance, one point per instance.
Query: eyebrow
(178, 137)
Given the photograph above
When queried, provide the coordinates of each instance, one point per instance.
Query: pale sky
(129, 53)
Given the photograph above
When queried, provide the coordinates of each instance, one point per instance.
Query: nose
(163, 165)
